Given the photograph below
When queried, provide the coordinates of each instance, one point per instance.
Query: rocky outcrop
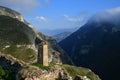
(25, 71)
(53, 73)
(56, 72)
(11, 13)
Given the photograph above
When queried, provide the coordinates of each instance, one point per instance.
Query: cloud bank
(21, 5)
(109, 15)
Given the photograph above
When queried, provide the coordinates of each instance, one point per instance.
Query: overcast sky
(55, 14)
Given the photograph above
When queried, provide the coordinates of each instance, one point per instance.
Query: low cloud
(78, 19)
(114, 11)
(109, 15)
(21, 5)
(41, 19)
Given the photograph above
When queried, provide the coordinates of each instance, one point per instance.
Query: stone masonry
(43, 53)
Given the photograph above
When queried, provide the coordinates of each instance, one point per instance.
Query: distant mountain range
(61, 36)
(53, 32)
(96, 45)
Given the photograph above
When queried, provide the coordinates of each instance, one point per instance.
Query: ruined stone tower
(43, 53)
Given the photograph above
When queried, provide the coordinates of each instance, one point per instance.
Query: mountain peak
(11, 13)
(96, 45)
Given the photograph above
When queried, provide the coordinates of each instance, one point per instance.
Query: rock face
(19, 39)
(11, 13)
(54, 73)
(96, 45)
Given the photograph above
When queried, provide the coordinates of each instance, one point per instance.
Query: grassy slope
(13, 32)
(73, 71)
(22, 53)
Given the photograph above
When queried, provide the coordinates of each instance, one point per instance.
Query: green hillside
(13, 33)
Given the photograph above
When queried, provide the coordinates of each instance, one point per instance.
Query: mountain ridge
(96, 46)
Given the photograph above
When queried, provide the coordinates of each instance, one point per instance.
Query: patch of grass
(22, 53)
(41, 66)
(73, 71)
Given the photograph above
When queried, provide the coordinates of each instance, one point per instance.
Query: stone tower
(43, 53)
